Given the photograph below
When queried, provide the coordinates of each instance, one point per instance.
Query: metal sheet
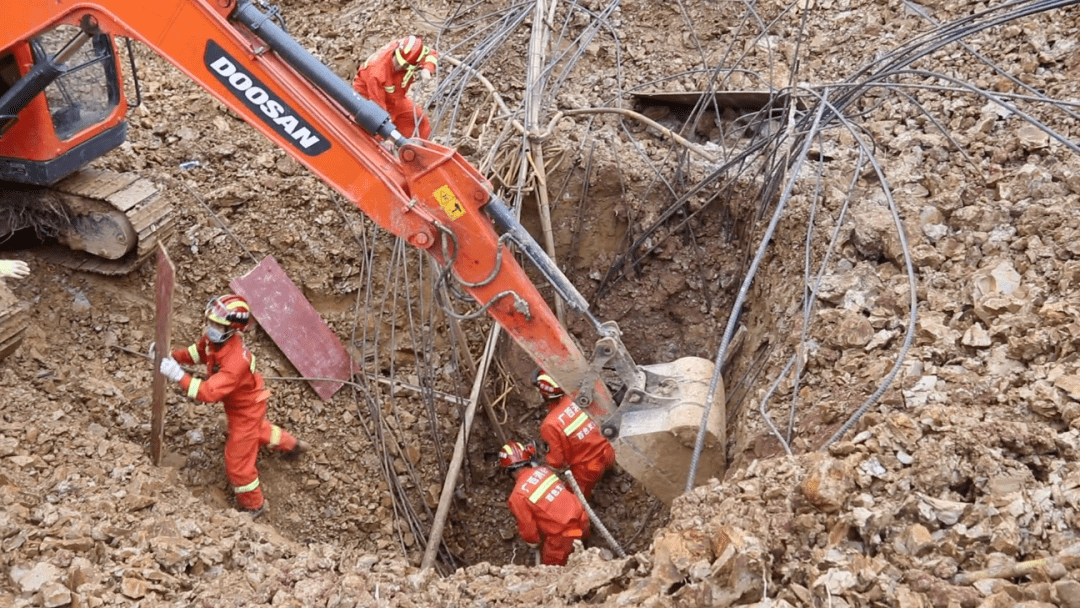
(163, 297)
(739, 100)
(295, 326)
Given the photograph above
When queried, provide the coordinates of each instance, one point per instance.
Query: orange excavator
(62, 105)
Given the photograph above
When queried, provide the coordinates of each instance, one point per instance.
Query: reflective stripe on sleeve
(542, 489)
(253, 364)
(575, 424)
(275, 435)
(193, 350)
(193, 388)
(389, 89)
(246, 488)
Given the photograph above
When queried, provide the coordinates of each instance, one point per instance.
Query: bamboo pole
(696, 149)
(534, 152)
(470, 364)
(1064, 562)
(435, 537)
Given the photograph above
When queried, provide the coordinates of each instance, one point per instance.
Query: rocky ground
(956, 484)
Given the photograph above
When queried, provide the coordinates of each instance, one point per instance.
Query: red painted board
(295, 326)
(163, 296)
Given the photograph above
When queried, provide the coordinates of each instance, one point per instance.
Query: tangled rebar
(505, 114)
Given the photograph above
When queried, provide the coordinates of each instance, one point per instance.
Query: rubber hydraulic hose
(504, 219)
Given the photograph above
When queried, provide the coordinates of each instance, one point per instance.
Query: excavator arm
(422, 192)
(429, 195)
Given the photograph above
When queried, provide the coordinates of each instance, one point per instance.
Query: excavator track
(95, 198)
(120, 216)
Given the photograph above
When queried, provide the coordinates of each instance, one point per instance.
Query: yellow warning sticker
(449, 202)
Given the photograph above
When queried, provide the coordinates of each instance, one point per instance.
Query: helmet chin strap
(410, 74)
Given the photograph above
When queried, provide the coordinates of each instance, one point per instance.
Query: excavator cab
(76, 113)
(62, 105)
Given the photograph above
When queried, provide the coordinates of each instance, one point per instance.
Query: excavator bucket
(655, 428)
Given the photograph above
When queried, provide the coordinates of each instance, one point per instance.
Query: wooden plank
(163, 296)
(295, 326)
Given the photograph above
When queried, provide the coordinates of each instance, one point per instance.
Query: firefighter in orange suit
(387, 76)
(545, 509)
(232, 380)
(574, 440)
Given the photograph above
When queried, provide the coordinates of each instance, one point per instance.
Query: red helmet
(230, 310)
(549, 388)
(410, 50)
(513, 454)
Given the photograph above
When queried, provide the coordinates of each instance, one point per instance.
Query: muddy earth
(865, 210)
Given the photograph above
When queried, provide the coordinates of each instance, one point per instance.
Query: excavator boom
(430, 196)
(424, 193)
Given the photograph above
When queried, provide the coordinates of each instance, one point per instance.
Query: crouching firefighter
(232, 380)
(545, 509)
(574, 441)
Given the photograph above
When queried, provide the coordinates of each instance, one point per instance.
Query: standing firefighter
(574, 441)
(387, 76)
(232, 380)
(545, 509)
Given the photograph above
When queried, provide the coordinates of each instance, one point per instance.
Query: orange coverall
(546, 510)
(574, 440)
(378, 80)
(232, 380)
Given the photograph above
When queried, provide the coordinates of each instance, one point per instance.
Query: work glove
(171, 369)
(425, 75)
(533, 545)
(14, 268)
